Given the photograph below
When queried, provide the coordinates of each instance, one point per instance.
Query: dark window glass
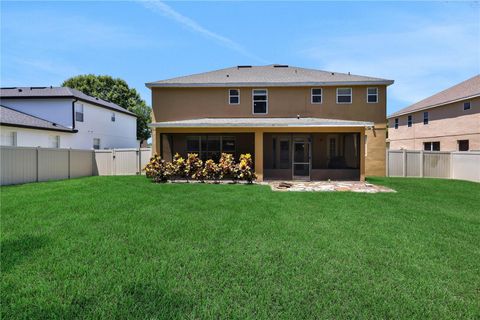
(372, 98)
(234, 96)
(463, 145)
(213, 144)
(436, 146)
(316, 99)
(228, 144)
(396, 123)
(79, 116)
(344, 99)
(285, 154)
(427, 146)
(316, 91)
(466, 106)
(234, 100)
(233, 92)
(193, 144)
(260, 107)
(425, 118)
(410, 121)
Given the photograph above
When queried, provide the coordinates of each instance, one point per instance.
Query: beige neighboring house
(446, 121)
(297, 123)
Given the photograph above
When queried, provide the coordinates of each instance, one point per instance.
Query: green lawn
(122, 247)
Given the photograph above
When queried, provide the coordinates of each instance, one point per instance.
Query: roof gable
(269, 75)
(464, 90)
(15, 118)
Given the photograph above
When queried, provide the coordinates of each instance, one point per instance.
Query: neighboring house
(59, 117)
(446, 121)
(297, 123)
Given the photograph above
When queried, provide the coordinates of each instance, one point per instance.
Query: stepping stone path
(353, 186)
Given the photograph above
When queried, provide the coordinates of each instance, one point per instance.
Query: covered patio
(283, 148)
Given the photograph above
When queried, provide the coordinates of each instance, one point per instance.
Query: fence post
(69, 164)
(387, 155)
(114, 171)
(404, 162)
(38, 163)
(139, 160)
(451, 166)
(421, 163)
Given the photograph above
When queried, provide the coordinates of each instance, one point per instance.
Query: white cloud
(191, 24)
(422, 60)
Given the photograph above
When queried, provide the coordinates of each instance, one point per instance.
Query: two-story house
(297, 123)
(447, 121)
(60, 117)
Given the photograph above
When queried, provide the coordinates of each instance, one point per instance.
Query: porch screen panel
(336, 151)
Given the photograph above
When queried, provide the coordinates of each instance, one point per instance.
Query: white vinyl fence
(434, 164)
(26, 164)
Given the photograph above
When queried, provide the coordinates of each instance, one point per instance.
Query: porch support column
(259, 154)
(362, 155)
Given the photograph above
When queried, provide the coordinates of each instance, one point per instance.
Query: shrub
(179, 165)
(157, 169)
(212, 171)
(227, 165)
(192, 166)
(244, 169)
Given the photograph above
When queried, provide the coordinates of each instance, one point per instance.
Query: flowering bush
(244, 169)
(227, 165)
(159, 170)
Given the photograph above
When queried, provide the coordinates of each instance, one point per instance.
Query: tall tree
(115, 90)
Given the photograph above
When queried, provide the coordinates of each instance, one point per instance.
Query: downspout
(73, 113)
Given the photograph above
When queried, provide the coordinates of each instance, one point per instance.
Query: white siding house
(64, 118)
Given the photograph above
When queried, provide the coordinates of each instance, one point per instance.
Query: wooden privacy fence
(434, 164)
(26, 164)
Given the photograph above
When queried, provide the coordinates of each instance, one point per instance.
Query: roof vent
(333, 73)
(280, 65)
(37, 88)
(243, 67)
(20, 90)
(228, 75)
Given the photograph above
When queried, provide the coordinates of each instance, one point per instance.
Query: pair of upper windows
(79, 115)
(259, 97)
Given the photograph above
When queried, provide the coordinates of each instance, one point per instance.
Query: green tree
(117, 91)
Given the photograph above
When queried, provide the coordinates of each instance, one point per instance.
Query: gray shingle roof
(464, 90)
(260, 122)
(270, 75)
(58, 92)
(11, 117)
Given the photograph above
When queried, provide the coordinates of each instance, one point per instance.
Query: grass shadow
(14, 251)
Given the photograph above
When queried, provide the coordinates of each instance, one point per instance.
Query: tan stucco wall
(447, 124)
(192, 103)
(171, 104)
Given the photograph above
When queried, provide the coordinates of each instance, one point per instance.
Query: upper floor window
(113, 117)
(316, 95)
(425, 117)
(260, 101)
(79, 112)
(466, 106)
(409, 121)
(96, 143)
(372, 95)
(54, 141)
(9, 138)
(463, 145)
(396, 123)
(431, 146)
(233, 96)
(344, 95)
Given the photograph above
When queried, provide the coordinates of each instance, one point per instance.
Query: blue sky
(424, 46)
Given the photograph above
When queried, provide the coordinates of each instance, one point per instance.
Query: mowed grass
(122, 247)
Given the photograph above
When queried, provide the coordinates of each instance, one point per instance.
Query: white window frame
(81, 106)
(345, 95)
(99, 143)
(230, 95)
(11, 136)
(371, 94)
(57, 141)
(253, 101)
(321, 95)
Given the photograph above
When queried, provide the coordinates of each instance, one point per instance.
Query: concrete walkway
(354, 186)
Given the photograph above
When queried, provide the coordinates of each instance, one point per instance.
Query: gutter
(267, 84)
(37, 128)
(73, 112)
